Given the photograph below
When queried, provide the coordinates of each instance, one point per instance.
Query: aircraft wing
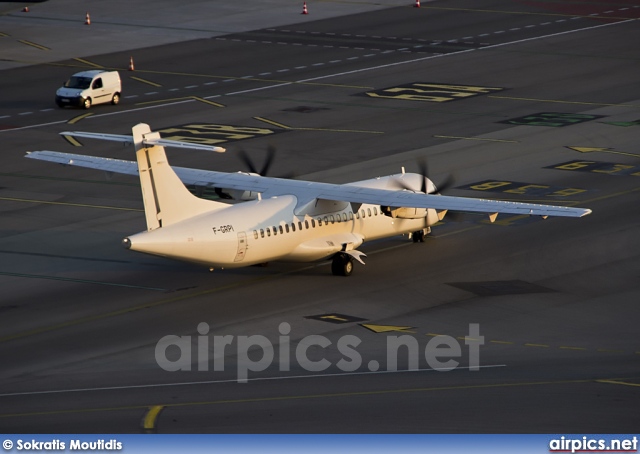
(307, 191)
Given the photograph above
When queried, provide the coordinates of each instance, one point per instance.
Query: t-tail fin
(166, 199)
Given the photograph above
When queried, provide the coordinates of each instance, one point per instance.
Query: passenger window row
(300, 225)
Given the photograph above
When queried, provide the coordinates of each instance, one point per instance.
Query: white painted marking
(191, 86)
(213, 382)
(283, 70)
(25, 113)
(151, 93)
(370, 68)
(210, 83)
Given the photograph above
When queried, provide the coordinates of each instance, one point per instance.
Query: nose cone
(126, 243)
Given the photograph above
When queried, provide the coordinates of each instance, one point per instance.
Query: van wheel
(116, 99)
(87, 103)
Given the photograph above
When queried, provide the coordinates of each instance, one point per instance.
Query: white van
(90, 87)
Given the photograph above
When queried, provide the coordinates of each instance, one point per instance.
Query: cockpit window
(78, 82)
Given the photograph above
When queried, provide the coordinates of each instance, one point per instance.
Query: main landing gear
(342, 264)
(418, 237)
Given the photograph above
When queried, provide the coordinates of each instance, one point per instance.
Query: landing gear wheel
(342, 265)
(418, 237)
(86, 103)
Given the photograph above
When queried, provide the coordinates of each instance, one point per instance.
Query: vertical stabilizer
(166, 199)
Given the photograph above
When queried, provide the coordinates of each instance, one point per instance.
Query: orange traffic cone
(304, 8)
(87, 20)
(25, 9)
(417, 5)
(131, 67)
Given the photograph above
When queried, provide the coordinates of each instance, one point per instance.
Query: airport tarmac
(534, 101)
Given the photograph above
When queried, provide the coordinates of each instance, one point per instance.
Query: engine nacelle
(404, 212)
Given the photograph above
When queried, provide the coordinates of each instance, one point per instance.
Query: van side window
(97, 83)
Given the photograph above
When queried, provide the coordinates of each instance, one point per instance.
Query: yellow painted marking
(271, 122)
(74, 120)
(501, 342)
(145, 81)
(150, 419)
(476, 138)
(558, 101)
(339, 130)
(334, 317)
(571, 348)
(607, 350)
(457, 231)
(29, 43)
(2, 35)
(618, 382)
(82, 205)
(206, 101)
(307, 397)
(174, 299)
(466, 338)
(254, 79)
(433, 334)
(280, 125)
(73, 141)
(87, 62)
(602, 150)
(536, 345)
(387, 328)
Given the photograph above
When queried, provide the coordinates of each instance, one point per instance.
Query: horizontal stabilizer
(153, 141)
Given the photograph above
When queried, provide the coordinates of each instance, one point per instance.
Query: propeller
(448, 182)
(244, 157)
(271, 153)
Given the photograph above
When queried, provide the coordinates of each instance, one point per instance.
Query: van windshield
(78, 82)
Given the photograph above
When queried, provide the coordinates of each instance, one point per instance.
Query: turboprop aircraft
(275, 218)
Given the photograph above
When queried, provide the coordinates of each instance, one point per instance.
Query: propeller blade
(244, 157)
(446, 184)
(271, 152)
(422, 165)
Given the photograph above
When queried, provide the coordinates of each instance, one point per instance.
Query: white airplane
(277, 219)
